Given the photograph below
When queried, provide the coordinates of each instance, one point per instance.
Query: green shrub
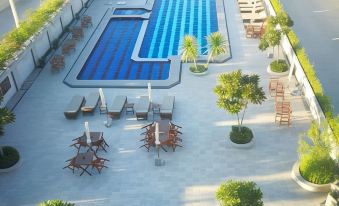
(315, 162)
(279, 66)
(241, 136)
(199, 69)
(55, 203)
(324, 101)
(317, 168)
(10, 158)
(14, 39)
(239, 193)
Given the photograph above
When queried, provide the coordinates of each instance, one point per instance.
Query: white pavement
(191, 174)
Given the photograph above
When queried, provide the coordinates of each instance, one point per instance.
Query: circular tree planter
(13, 162)
(240, 139)
(242, 146)
(296, 176)
(202, 70)
(277, 73)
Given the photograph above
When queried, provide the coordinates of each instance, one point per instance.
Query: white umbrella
(149, 89)
(157, 140)
(88, 135)
(102, 97)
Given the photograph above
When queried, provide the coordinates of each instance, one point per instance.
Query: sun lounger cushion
(166, 108)
(118, 105)
(142, 107)
(73, 107)
(91, 102)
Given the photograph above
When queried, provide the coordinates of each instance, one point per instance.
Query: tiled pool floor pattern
(172, 19)
(111, 56)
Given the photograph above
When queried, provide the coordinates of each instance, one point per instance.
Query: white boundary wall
(299, 73)
(24, 63)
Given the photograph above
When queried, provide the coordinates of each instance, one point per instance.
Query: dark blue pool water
(110, 59)
(171, 20)
(121, 11)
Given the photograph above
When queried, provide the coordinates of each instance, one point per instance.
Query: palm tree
(217, 44)
(189, 49)
(6, 117)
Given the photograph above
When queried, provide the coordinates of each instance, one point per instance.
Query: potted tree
(9, 156)
(315, 169)
(217, 45)
(189, 52)
(239, 193)
(276, 27)
(235, 91)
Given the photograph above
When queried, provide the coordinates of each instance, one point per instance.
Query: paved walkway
(191, 174)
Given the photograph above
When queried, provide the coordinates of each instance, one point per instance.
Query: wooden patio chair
(86, 21)
(99, 163)
(77, 33)
(57, 62)
(72, 165)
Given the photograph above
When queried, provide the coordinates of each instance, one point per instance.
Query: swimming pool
(170, 20)
(128, 11)
(110, 58)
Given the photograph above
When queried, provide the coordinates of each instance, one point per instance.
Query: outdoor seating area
(86, 21)
(77, 33)
(68, 46)
(283, 108)
(161, 133)
(57, 62)
(91, 103)
(254, 15)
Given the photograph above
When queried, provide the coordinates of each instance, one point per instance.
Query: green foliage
(235, 90)
(324, 101)
(189, 49)
(55, 203)
(239, 193)
(198, 69)
(316, 165)
(14, 39)
(11, 157)
(6, 117)
(270, 38)
(279, 66)
(217, 44)
(241, 135)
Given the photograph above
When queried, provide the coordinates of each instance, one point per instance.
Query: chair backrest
(143, 105)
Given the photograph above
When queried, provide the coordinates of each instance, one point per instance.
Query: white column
(15, 14)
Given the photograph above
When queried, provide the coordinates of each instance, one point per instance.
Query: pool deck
(191, 174)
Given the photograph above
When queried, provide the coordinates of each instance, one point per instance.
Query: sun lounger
(91, 102)
(166, 109)
(114, 111)
(142, 107)
(73, 107)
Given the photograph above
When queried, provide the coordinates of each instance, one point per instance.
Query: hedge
(13, 40)
(324, 101)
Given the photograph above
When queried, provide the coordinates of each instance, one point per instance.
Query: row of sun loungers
(141, 108)
(253, 15)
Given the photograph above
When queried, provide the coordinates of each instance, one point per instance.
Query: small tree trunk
(239, 125)
(195, 64)
(278, 51)
(243, 114)
(208, 60)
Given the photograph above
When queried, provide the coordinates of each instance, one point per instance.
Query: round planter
(200, 73)
(14, 167)
(296, 176)
(277, 73)
(330, 201)
(241, 146)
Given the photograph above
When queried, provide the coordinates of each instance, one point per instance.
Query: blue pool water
(171, 20)
(110, 59)
(122, 11)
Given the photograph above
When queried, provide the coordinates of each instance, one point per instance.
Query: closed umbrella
(102, 97)
(157, 140)
(149, 89)
(87, 132)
